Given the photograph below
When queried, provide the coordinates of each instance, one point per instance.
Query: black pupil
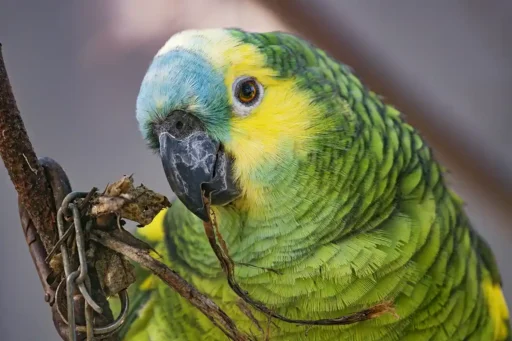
(248, 90)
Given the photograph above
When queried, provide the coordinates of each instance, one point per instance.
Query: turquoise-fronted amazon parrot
(328, 201)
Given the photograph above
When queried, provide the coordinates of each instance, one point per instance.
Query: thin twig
(222, 253)
(175, 281)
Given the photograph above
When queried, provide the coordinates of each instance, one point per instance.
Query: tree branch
(211, 310)
(21, 162)
(35, 199)
(41, 186)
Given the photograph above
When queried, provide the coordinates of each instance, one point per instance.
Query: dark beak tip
(202, 214)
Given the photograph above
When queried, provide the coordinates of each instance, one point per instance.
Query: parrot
(328, 201)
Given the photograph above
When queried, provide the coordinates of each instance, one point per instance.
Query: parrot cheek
(194, 163)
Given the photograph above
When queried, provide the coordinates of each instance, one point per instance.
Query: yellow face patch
(278, 126)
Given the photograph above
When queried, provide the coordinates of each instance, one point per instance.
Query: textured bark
(41, 185)
(121, 243)
(21, 162)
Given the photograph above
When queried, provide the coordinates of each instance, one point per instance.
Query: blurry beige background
(76, 67)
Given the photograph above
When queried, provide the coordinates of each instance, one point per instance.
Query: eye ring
(247, 94)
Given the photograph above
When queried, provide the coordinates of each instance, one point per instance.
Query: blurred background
(76, 67)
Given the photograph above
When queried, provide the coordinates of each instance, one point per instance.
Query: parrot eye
(247, 94)
(247, 91)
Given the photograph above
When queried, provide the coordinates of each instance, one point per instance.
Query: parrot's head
(228, 114)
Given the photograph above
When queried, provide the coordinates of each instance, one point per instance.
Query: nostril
(179, 125)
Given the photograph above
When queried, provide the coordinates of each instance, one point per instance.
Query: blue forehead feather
(184, 80)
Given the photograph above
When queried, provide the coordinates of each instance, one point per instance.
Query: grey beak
(193, 164)
(188, 164)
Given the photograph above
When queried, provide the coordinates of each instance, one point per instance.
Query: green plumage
(362, 216)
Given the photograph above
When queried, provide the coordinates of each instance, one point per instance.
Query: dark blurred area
(76, 68)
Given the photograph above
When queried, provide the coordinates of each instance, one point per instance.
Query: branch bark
(41, 186)
(21, 162)
(175, 281)
(35, 199)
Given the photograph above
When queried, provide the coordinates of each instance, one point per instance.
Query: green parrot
(328, 201)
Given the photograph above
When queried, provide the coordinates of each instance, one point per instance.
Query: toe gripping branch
(83, 313)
